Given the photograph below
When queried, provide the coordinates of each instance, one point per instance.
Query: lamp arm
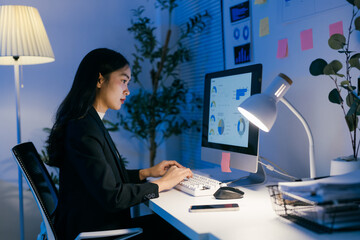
(309, 134)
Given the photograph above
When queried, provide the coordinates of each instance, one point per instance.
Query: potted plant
(156, 114)
(344, 94)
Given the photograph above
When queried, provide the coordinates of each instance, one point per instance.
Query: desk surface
(255, 219)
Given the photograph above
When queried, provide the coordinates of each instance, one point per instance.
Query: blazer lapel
(119, 162)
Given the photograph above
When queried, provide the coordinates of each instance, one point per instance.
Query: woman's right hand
(172, 177)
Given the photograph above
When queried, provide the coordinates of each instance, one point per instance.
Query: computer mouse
(228, 193)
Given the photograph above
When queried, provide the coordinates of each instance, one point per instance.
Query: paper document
(341, 187)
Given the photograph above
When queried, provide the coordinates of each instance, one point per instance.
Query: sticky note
(264, 27)
(282, 50)
(225, 162)
(260, 1)
(306, 38)
(336, 28)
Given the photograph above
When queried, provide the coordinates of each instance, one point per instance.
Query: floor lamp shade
(23, 39)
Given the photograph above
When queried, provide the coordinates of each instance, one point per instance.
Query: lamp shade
(23, 39)
(261, 110)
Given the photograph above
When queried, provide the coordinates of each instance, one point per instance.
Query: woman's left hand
(159, 169)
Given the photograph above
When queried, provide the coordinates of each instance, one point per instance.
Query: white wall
(287, 144)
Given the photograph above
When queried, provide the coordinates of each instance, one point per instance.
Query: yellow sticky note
(260, 1)
(264, 27)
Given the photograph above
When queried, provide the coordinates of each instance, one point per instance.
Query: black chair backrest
(38, 178)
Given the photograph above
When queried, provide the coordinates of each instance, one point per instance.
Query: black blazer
(96, 191)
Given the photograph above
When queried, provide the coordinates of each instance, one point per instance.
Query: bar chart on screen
(242, 53)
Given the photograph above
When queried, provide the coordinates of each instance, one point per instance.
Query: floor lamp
(23, 41)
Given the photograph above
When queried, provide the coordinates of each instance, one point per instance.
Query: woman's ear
(100, 81)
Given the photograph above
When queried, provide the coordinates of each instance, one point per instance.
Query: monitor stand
(253, 178)
(239, 177)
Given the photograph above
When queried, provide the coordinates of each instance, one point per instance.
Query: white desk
(255, 219)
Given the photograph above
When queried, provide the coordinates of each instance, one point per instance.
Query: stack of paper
(335, 188)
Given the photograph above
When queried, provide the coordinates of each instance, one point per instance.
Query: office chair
(46, 194)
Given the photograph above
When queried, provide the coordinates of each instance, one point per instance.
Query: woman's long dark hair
(81, 96)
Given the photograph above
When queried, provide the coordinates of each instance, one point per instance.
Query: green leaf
(350, 99)
(332, 68)
(349, 88)
(347, 85)
(357, 3)
(334, 96)
(354, 61)
(357, 23)
(337, 41)
(351, 122)
(317, 67)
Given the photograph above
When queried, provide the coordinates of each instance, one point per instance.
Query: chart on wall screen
(236, 32)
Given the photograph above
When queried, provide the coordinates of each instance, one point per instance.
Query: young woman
(96, 191)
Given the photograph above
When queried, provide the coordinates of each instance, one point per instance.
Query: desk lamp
(23, 41)
(261, 110)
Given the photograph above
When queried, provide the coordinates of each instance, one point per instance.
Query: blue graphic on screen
(242, 53)
(214, 90)
(221, 127)
(231, 128)
(246, 32)
(240, 93)
(241, 126)
(239, 12)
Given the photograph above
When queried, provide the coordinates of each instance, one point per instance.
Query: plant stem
(343, 109)
(348, 78)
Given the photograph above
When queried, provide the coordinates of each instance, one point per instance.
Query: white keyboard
(199, 185)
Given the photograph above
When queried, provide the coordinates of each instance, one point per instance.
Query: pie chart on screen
(221, 127)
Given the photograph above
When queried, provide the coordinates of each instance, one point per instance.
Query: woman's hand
(158, 170)
(173, 176)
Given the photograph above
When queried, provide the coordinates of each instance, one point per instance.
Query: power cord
(271, 168)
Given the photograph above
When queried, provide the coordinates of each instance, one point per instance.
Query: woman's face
(112, 93)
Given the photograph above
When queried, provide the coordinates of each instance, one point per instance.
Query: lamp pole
(18, 127)
(309, 134)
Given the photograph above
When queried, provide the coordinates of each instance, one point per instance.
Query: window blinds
(206, 51)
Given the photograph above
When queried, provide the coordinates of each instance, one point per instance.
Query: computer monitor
(224, 129)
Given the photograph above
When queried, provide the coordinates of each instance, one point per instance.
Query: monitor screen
(224, 128)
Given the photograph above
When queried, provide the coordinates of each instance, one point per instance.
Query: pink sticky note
(336, 28)
(282, 50)
(225, 162)
(306, 37)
